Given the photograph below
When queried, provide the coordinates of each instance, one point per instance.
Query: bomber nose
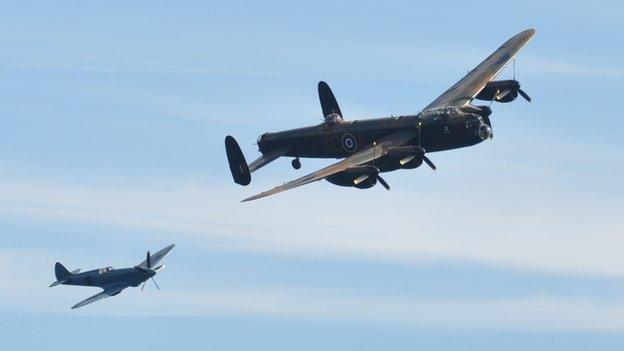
(485, 132)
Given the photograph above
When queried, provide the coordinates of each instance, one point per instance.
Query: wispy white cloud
(532, 312)
(549, 235)
(571, 68)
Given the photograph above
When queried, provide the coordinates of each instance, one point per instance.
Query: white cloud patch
(512, 228)
(571, 68)
(525, 313)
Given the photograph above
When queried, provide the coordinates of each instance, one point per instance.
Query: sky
(111, 144)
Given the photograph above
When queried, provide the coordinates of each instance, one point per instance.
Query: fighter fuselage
(103, 277)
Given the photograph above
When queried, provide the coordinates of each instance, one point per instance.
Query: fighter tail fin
(61, 272)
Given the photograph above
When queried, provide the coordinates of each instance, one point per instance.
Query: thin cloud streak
(523, 235)
(534, 312)
(571, 68)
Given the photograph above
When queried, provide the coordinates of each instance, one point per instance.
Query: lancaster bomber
(112, 281)
(372, 146)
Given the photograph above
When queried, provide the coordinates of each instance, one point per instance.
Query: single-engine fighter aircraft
(370, 147)
(113, 281)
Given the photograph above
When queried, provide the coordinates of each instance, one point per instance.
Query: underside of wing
(373, 152)
(156, 257)
(108, 291)
(465, 90)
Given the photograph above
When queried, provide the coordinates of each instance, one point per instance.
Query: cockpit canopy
(105, 270)
(449, 111)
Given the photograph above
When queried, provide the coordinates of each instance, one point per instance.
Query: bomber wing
(368, 154)
(464, 91)
(108, 291)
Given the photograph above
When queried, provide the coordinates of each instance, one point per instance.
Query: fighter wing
(155, 258)
(368, 154)
(464, 91)
(108, 291)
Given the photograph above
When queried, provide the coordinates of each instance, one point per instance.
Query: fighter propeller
(148, 263)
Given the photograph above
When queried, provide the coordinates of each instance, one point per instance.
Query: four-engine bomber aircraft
(386, 144)
(113, 281)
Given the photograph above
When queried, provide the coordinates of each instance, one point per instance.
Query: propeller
(423, 152)
(383, 182)
(154, 280)
(148, 264)
(524, 95)
(428, 162)
(379, 178)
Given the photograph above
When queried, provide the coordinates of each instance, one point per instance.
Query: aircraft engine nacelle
(506, 96)
(365, 182)
(362, 181)
(502, 91)
(361, 177)
(411, 161)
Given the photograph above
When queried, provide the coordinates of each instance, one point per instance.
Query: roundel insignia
(349, 143)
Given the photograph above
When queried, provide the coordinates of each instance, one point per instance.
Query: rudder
(329, 105)
(238, 164)
(61, 272)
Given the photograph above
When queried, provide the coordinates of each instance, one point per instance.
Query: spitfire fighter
(370, 147)
(112, 281)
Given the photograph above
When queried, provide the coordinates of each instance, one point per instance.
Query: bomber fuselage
(440, 130)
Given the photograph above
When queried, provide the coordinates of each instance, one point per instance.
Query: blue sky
(113, 118)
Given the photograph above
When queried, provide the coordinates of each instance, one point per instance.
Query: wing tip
(267, 193)
(251, 198)
(528, 32)
(79, 304)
